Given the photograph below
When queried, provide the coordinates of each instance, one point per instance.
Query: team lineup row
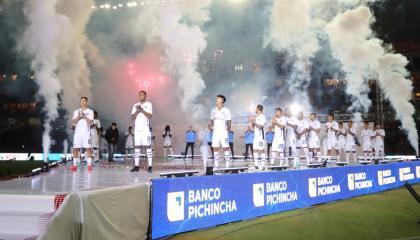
(292, 135)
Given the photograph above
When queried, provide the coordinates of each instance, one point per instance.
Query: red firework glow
(146, 73)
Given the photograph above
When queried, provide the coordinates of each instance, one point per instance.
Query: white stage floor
(61, 180)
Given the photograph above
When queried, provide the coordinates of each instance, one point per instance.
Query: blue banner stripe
(185, 204)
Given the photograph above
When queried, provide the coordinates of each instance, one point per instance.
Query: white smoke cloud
(364, 57)
(291, 30)
(47, 30)
(55, 39)
(74, 73)
(392, 76)
(349, 34)
(177, 28)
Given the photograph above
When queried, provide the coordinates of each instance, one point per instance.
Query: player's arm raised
(134, 112)
(146, 114)
(76, 117)
(88, 118)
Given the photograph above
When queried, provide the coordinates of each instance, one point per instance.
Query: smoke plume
(46, 32)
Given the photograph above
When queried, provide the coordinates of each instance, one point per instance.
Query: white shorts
(258, 143)
(341, 144)
(129, 145)
(142, 139)
(291, 142)
(367, 147)
(350, 147)
(278, 145)
(82, 141)
(314, 142)
(302, 143)
(167, 142)
(220, 139)
(378, 147)
(332, 143)
(95, 140)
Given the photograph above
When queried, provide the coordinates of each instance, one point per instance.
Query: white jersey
(220, 118)
(290, 131)
(167, 142)
(129, 141)
(366, 135)
(82, 127)
(314, 125)
(259, 142)
(142, 123)
(259, 120)
(350, 137)
(331, 127)
(342, 138)
(302, 126)
(279, 132)
(379, 137)
(94, 130)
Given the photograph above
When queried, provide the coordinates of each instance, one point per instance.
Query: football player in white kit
(167, 141)
(82, 120)
(258, 123)
(291, 138)
(378, 144)
(129, 143)
(302, 135)
(367, 135)
(279, 123)
(341, 140)
(221, 120)
(332, 129)
(314, 129)
(141, 114)
(350, 141)
(95, 130)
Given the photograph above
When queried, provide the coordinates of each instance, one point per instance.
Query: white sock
(216, 159)
(149, 154)
(76, 161)
(310, 156)
(282, 162)
(164, 151)
(89, 161)
(256, 162)
(263, 159)
(306, 152)
(136, 157)
(273, 158)
(95, 154)
(171, 150)
(227, 158)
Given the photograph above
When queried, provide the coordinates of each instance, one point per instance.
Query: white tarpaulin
(111, 213)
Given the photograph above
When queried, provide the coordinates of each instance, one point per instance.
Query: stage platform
(32, 201)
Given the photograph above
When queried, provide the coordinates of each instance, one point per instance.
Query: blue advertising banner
(185, 204)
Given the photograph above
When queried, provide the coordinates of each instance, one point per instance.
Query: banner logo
(357, 181)
(385, 177)
(406, 174)
(175, 206)
(322, 186)
(258, 194)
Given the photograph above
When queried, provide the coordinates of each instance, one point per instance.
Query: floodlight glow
(295, 108)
